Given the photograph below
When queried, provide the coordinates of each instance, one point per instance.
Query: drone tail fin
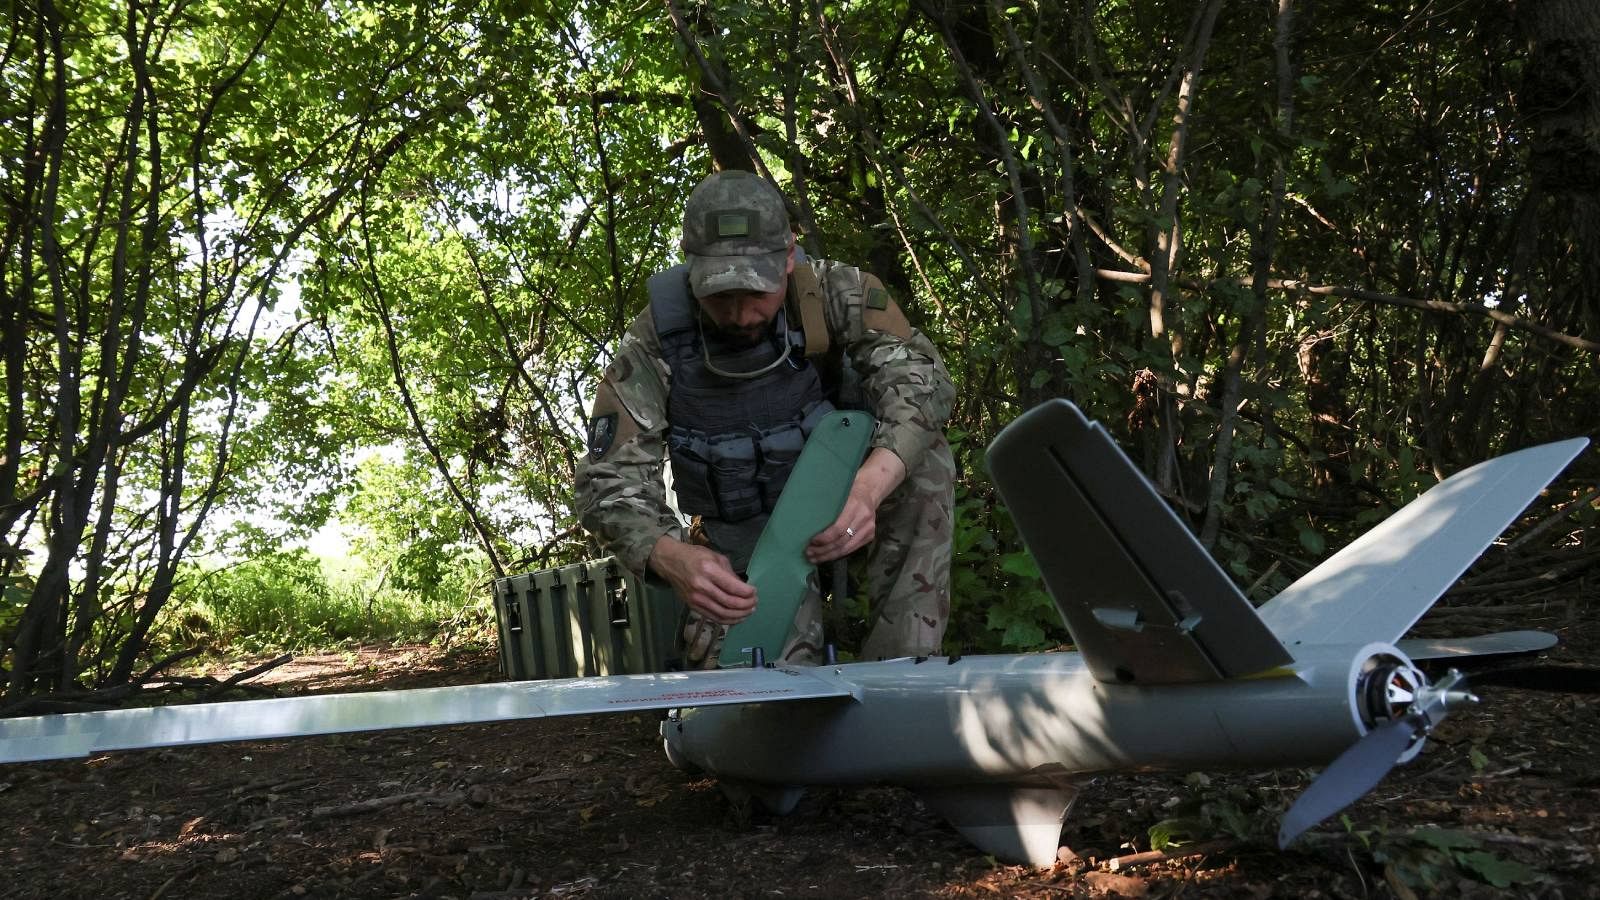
(1144, 601)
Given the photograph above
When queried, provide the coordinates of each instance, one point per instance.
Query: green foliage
(14, 594)
(1213, 809)
(1428, 858)
(998, 599)
(404, 525)
(285, 601)
(1432, 858)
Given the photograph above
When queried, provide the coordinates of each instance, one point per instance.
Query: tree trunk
(1263, 248)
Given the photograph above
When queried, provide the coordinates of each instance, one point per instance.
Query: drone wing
(1504, 643)
(81, 734)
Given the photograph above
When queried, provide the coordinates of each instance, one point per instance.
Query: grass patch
(290, 601)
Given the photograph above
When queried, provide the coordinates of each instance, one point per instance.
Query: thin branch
(380, 302)
(1168, 236)
(246, 675)
(1323, 290)
(1069, 192)
(1008, 158)
(718, 89)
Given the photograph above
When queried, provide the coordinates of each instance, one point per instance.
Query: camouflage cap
(735, 234)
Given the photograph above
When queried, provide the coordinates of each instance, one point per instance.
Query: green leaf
(1498, 870)
(1167, 833)
(1021, 563)
(1311, 539)
(1022, 635)
(1057, 332)
(1445, 838)
(1022, 314)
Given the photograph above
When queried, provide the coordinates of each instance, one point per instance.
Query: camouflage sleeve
(906, 385)
(620, 496)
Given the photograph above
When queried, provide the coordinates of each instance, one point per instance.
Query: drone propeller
(1363, 764)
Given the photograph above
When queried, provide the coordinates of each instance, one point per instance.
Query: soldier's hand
(856, 526)
(857, 523)
(703, 579)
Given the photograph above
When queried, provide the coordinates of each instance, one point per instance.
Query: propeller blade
(1348, 778)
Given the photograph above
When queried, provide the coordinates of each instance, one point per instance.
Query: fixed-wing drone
(1174, 668)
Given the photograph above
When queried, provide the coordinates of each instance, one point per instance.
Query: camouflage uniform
(621, 496)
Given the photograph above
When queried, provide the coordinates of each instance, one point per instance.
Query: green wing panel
(812, 499)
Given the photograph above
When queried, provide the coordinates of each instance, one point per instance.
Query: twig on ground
(1552, 520)
(447, 798)
(206, 682)
(1150, 856)
(165, 662)
(1521, 840)
(1548, 577)
(1519, 609)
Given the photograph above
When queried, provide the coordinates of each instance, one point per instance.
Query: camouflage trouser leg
(700, 642)
(908, 566)
(908, 571)
(804, 646)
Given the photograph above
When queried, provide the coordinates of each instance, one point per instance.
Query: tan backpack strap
(813, 318)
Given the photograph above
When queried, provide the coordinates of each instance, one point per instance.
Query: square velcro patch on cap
(730, 225)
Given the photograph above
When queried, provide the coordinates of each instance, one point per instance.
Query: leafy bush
(998, 602)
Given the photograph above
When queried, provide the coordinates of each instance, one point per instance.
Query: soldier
(740, 352)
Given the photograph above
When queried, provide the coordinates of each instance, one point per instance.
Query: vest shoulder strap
(672, 309)
(813, 314)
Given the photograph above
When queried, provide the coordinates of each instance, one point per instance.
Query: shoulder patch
(602, 433)
(879, 312)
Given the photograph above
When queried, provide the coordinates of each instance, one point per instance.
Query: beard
(735, 338)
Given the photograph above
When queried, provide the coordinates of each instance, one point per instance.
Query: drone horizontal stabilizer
(1382, 582)
(80, 734)
(1145, 603)
(1504, 643)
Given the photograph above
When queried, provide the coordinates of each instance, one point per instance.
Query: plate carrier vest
(733, 441)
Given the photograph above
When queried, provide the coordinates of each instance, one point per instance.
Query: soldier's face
(742, 318)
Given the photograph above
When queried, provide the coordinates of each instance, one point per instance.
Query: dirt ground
(1502, 801)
